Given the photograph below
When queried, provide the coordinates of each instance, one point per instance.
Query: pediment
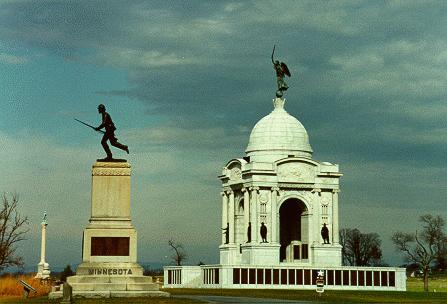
(234, 169)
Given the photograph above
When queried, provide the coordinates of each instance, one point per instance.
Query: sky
(186, 81)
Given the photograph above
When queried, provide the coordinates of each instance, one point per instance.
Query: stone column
(224, 213)
(274, 215)
(111, 193)
(231, 215)
(246, 210)
(254, 214)
(43, 268)
(43, 243)
(335, 232)
(317, 216)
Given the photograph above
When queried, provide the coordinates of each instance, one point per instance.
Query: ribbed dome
(278, 135)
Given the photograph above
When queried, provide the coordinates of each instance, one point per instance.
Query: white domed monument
(278, 184)
(280, 219)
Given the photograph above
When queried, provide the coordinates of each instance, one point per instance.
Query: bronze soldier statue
(227, 233)
(325, 234)
(249, 233)
(109, 134)
(281, 71)
(263, 232)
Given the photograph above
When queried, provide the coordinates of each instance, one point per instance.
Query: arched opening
(293, 228)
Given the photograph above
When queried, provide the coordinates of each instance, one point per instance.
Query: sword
(100, 131)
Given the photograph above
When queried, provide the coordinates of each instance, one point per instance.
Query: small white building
(279, 187)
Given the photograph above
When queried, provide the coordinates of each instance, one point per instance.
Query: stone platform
(93, 286)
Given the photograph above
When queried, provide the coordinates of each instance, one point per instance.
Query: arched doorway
(293, 225)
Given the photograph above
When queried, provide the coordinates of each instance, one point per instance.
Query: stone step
(109, 279)
(98, 286)
(128, 294)
(142, 286)
(115, 286)
(108, 294)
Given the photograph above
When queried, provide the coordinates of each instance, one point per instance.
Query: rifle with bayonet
(100, 131)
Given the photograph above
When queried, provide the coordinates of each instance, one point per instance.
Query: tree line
(426, 247)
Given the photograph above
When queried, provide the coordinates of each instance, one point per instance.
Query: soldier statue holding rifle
(109, 134)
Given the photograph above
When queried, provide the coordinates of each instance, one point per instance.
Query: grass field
(327, 296)
(414, 294)
(436, 283)
(102, 301)
(10, 286)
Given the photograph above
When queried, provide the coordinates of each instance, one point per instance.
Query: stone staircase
(111, 286)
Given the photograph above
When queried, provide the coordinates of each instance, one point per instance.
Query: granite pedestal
(109, 265)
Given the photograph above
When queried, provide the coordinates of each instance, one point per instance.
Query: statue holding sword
(109, 133)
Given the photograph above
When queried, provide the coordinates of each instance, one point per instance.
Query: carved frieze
(307, 195)
(296, 172)
(263, 198)
(235, 174)
(111, 171)
(325, 201)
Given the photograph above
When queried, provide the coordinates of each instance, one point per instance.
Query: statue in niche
(227, 233)
(281, 71)
(263, 232)
(249, 233)
(325, 234)
(109, 134)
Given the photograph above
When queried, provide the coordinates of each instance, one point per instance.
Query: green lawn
(327, 296)
(103, 301)
(436, 283)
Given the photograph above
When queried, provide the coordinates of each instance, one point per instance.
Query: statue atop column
(109, 134)
(281, 71)
(43, 268)
(44, 218)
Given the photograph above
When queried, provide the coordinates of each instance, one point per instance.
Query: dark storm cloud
(359, 65)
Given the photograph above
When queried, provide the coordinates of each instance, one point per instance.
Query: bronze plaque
(110, 246)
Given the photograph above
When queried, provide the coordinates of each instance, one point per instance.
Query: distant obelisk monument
(109, 265)
(43, 268)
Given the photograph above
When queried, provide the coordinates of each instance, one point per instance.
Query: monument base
(113, 285)
(260, 253)
(43, 271)
(109, 265)
(326, 255)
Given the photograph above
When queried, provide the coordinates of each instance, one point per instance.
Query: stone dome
(278, 135)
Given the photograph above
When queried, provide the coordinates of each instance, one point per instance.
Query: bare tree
(179, 254)
(13, 228)
(360, 249)
(425, 247)
(441, 258)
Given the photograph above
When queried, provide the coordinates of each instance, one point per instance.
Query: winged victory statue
(281, 71)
